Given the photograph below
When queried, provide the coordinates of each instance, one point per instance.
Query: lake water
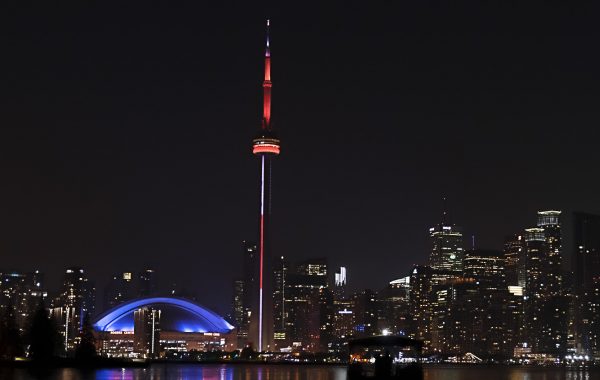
(282, 372)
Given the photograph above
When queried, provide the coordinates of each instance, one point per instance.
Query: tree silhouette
(86, 349)
(45, 342)
(11, 344)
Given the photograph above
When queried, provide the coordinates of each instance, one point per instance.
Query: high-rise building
(326, 320)
(485, 265)
(279, 311)
(545, 329)
(586, 250)
(366, 313)
(21, 294)
(421, 284)
(146, 332)
(245, 291)
(147, 284)
(394, 311)
(303, 304)
(118, 290)
(76, 301)
(514, 256)
(340, 283)
(550, 222)
(265, 146)
(586, 258)
(446, 253)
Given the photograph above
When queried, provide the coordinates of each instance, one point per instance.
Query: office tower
(343, 321)
(446, 247)
(394, 311)
(326, 320)
(586, 250)
(514, 256)
(265, 146)
(118, 290)
(456, 317)
(146, 332)
(545, 327)
(279, 311)
(239, 313)
(147, 284)
(551, 223)
(340, 283)
(485, 265)
(245, 291)
(21, 294)
(365, 313)
(586, 258)
(302, 302)
(76, 300)
(421, 283)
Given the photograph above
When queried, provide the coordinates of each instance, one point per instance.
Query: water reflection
(286, 372)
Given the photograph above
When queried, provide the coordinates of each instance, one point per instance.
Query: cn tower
(265, 146)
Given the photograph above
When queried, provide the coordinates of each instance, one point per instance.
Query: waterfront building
(160, 327)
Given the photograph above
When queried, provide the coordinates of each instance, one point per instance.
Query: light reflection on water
(284, 372)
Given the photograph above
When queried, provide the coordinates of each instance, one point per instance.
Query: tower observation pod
(265, 146)
(266, 142)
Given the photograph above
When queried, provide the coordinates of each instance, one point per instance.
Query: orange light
(265, 148)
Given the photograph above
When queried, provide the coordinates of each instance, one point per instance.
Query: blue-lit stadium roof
(176, 315)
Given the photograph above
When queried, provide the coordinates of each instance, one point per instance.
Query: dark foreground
(291, 372)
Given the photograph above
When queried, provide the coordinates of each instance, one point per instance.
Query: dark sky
(125, 132)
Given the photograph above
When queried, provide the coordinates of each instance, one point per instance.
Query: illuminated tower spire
(265, 146)
(266, 124)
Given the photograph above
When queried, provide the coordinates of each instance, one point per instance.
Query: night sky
(125, 132)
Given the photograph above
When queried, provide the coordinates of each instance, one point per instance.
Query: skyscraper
(280, 313)
(302, 303)
(550, 222)
(76, 300)
(446, 247)
(118, 290)
(586, 257)
(514, 252)
(147, 283)
(586, 250)
(339, 284)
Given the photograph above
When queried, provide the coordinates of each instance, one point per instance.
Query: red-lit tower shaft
(265, 146)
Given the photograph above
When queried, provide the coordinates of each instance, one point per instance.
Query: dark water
(280, 372)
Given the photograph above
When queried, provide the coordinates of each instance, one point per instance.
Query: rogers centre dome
(177, 315)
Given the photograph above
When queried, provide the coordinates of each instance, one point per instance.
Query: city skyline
(116, 157)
